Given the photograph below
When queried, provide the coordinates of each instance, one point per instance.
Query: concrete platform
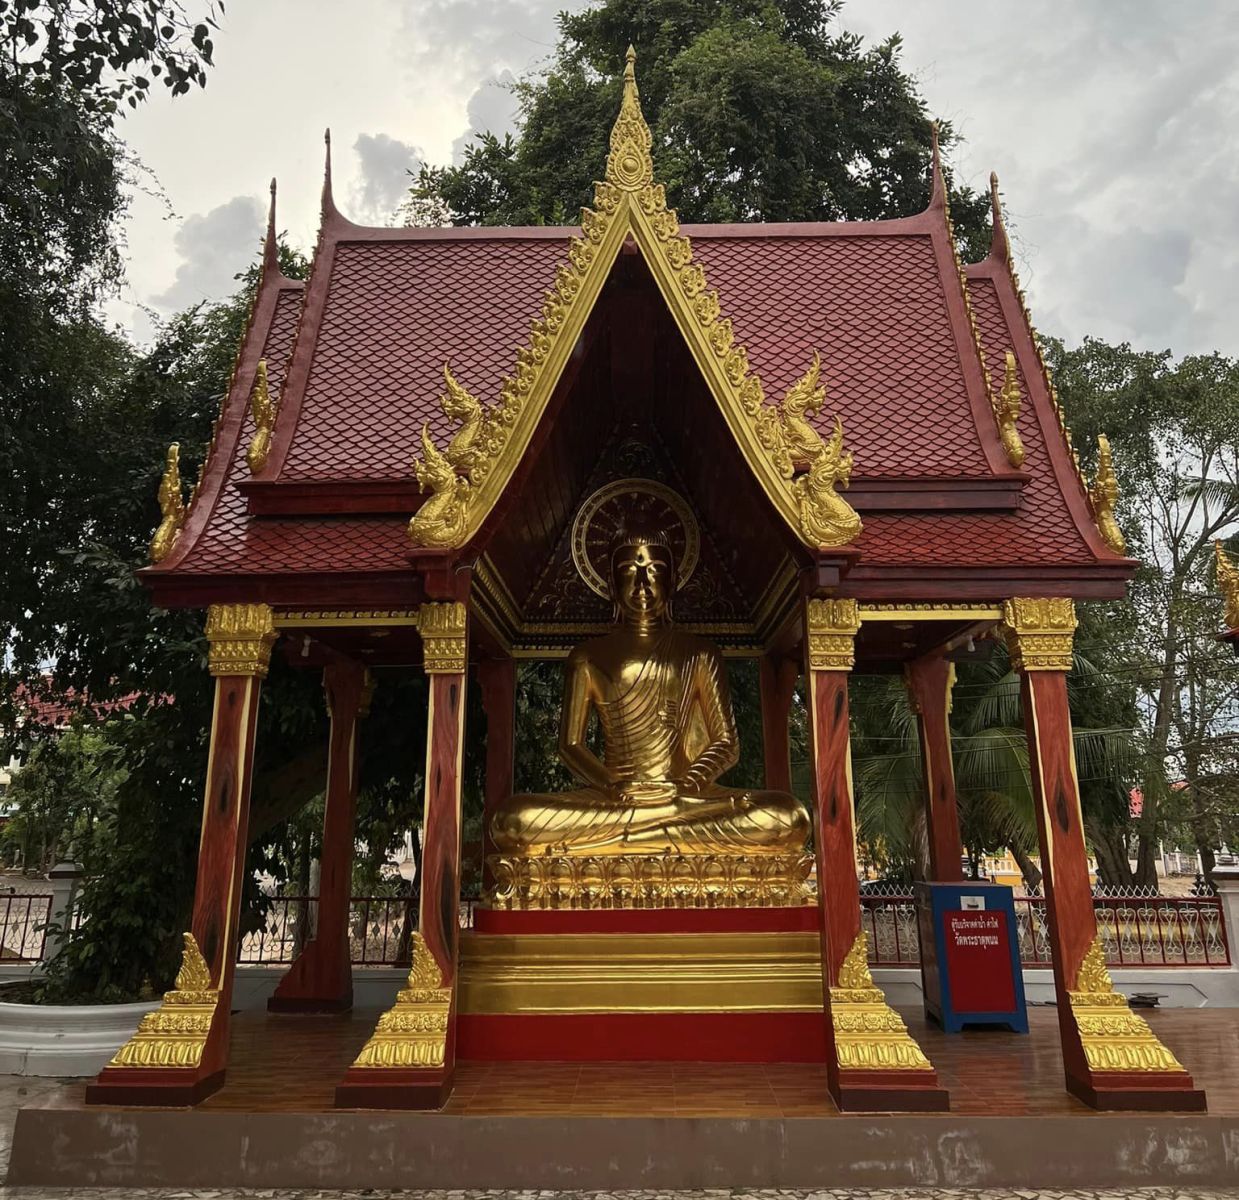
(617, 1125)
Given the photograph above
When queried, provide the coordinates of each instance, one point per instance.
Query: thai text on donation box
(970, 955)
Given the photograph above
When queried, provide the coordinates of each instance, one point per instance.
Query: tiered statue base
(650, 881)
(690, 985)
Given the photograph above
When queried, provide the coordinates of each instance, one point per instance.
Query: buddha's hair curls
(639, 526)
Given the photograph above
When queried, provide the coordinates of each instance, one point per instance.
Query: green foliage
(98, 49)
(1174, 431)
(64, 799)
(760, 111)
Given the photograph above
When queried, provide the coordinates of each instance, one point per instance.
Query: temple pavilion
(854, 448)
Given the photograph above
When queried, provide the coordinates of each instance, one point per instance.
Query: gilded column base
(175, 1034)
(551, 881)
(869, 1034)
(1114, 1037)
(413, 1033)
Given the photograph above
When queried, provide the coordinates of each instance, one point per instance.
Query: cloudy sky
(1114, 129)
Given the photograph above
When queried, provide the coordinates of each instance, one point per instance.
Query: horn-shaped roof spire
(937, 196)
(999, 246)
(329, 204)
(270, 248)
(630, 164)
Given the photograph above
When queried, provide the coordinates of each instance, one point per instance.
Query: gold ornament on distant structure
(1228, 581)
(413, 1033)
(1114, 1038)
(660, 698)
(1007, 413)
(175, 1034)
(171, 507)
(1039, 632)
(265, 410)
(240, 637)
(1104, 496)
(869, 1034)
(444, 638)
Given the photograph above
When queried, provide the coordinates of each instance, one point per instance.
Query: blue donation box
(970, 955)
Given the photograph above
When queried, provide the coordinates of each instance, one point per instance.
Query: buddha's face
(642, 582)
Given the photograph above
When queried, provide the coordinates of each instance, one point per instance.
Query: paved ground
(16, 1092)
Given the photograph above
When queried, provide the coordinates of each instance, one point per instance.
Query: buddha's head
(643, 577)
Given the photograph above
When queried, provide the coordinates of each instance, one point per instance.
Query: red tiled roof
(875, 308)
(358, 364)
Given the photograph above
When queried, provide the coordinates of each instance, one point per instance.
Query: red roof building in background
(866, 439)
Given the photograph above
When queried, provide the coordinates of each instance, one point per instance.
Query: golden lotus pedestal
(645, 958)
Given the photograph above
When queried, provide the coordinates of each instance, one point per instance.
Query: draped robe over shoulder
(664, 709)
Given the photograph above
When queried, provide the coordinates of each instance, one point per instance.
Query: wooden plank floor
(292, 1063)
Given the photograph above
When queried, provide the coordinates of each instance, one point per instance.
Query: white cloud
(1114, 128)
(492, 109)
(213, 248)
(385, 166)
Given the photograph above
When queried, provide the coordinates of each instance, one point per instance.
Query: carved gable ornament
(800, 472)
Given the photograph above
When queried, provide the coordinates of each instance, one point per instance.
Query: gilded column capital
(443, 626)
(1039, 632)
(831, 627)
(240, 638)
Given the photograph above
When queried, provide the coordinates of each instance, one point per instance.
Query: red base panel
(156, 1087)
(649, 920)
(1137, 1091)
(409, 1088)
(642, 1037)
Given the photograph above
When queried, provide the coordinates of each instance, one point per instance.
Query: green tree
(66, 69)
(1174, 430)
(760, 111)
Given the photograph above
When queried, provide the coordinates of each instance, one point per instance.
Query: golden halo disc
(600, 515)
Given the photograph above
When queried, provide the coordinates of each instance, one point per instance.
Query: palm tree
(991, 766)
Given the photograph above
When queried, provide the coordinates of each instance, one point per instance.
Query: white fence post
(1226, 880)
(65, 878)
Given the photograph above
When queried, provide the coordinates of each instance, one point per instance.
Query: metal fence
(379, 929)
(23, 926)
(1144, 931)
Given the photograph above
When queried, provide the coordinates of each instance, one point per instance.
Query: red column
(872, 1062)
(321, 980)
(1111, 1057)
(777, 678)
(929, 689)
(179, 1052)
(497, 681)
(410, 1059)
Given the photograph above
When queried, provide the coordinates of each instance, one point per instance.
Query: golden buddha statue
(662, 702)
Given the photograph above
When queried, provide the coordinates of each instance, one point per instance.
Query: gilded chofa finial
(1007, 413)
(265, 412)
(1228, 581)
(630, 165)
(1104, 495)
(171, 507)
